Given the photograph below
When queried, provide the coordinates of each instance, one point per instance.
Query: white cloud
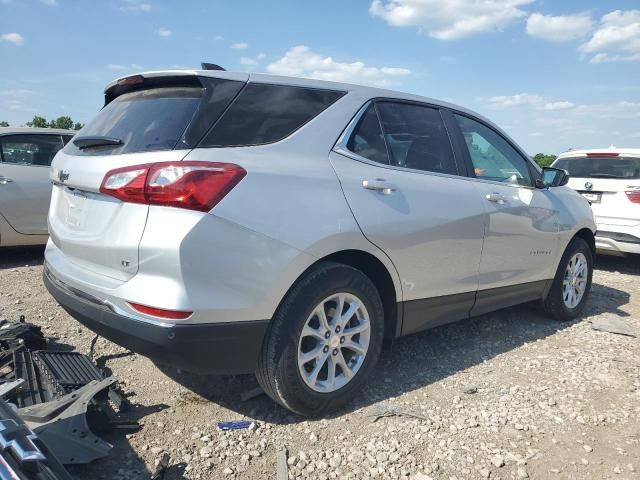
(561, 28)
(300, 61)
(14, 38)
(527, 100)
(50, 3)
(247, 61)
(507, 101)
(164, 32)
(558, 105)
(617, 38)
(240, 46)
(135, 6)
(117, 66)
(261, 56)
(217, 38)
(16, 93)
(450, 19)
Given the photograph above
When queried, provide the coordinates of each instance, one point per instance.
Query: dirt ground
(506, 395)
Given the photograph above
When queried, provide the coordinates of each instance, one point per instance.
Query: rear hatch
(611, 183)
(148, 118)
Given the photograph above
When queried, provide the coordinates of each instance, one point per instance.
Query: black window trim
(21, 134)
(341, 143)
(200, 144)
(459, 139)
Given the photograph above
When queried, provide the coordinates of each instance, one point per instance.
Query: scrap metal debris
(237, 425)
(612, 324)
(281, 464)
(62, 396)
(24, 456)
(389, 411)
(161, 467)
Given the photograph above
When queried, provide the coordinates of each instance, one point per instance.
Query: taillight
(160, 312)
(192, 185)
(634, 196)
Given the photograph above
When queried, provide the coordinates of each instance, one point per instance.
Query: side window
(265, 113)
(367, 139)
(66, 138)
(493, 158)
(36, 150)
(416, 137)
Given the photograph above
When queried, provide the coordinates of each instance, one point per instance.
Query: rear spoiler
(167, 78)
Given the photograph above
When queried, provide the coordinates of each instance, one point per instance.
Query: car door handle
(496, 198)
(379, 185)
(4, 180)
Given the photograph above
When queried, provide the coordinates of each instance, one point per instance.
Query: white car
(610, 180)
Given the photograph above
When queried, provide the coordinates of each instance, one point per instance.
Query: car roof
(39, 131)
(622, 152)
(363, 90)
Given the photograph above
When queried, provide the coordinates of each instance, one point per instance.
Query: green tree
(78, 126)
(4, 123)
(38, 122)
(62, 122)
(544, 160)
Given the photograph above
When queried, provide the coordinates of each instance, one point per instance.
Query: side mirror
(552, 177)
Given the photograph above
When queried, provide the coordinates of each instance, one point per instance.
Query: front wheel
(324, 340)
(572, 283)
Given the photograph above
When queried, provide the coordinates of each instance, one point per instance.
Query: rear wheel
(572, 283)
(324, 340)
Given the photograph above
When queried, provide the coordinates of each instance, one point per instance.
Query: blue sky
(554, 74)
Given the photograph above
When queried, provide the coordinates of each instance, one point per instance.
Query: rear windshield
(601, 167)
(144, 121)
(267, 113)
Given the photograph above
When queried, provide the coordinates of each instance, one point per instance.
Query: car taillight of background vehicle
(634, 196)
(190, 184)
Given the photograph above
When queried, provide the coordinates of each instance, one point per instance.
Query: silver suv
(231, 223)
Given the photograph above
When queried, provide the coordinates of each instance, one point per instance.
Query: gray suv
(231, 223)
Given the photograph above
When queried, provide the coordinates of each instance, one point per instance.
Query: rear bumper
(207, 348)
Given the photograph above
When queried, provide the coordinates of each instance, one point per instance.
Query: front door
(25, 188)
(522, 239)
(405, 188)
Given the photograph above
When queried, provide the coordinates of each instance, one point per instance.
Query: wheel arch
(379, 274)
(588, 236)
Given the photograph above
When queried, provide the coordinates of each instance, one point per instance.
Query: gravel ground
(505, 395)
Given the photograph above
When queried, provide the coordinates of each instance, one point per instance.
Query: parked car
(232, 223)
(25, 188)
(610, 180)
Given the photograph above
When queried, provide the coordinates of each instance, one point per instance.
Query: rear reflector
(161, 313)
(603, 154)
(191, 185)
(634, 197)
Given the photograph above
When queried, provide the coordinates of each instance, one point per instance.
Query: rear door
(405, 188)
(146, 120)
(522, 239)
(25, 188)
(611, 183)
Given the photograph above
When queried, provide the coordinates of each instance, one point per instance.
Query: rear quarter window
(265, 113)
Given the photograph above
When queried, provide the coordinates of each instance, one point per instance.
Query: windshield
(601, 167)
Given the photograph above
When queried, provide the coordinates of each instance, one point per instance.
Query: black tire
(554, 305)
(277, 370)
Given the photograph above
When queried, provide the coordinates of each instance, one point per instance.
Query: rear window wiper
(89, 141)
